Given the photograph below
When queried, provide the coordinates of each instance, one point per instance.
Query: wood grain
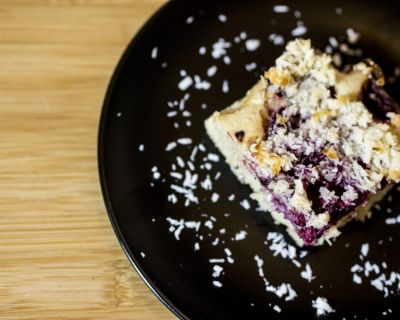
(59, 258)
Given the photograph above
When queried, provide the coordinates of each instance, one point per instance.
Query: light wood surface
(59, 258)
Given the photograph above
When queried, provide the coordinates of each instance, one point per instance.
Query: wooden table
(59, 258)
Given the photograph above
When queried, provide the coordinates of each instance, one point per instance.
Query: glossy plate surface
(135, 114)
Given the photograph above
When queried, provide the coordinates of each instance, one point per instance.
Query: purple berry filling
(310, 234)
(336, 207)
(377, 100)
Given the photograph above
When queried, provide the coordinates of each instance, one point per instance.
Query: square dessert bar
(318, 146)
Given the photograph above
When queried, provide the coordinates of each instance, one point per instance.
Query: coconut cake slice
(318, 146)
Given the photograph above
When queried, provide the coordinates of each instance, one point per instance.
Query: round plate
(172, 245)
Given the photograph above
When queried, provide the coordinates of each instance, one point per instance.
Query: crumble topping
(325, 120)
(278, 77)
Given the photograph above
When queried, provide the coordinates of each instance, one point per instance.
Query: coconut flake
(276, 39)
(200, 84)
(172, 198)
(214, 197)
(220, 48)
(172, 114)
(245, 204)
(322, 306)
(352, 36)
(154, 53)
(217, 270)
(260, 263)
(250, 66)
(307, 273)
(252, 44)
(225, 86)
(212, 71)
(170, 146)
(206, 184)
(241, 235)
(184, 141)
(185, 83)
(299, 31)
(209, 224)
(357, 279)
(223, 18)
(277, 308)
(394, 220)
(180, 162)
(339, 11)
(365, 249)
(213, 157)
(281, 9)
(216, 260)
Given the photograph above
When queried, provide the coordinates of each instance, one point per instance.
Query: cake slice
(318, 147)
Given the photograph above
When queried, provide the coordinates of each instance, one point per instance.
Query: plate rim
(102, 168)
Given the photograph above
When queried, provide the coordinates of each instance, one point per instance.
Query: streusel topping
(340, 127)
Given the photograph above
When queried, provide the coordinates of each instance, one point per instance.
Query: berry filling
(377, 100)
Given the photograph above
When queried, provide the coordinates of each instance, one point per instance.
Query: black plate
(135, 113)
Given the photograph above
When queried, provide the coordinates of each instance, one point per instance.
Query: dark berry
(377, 100)
(240, 135)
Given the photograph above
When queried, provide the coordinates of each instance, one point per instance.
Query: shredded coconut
(245, 204)
(225, 86)
(185, 83)
(170, 146)
(217, 270)
(154, 53)
(184, 141)
(212, 71)
(281, 9)
(276, 39)
(252, 44)
(241, 235)
(277, 308)
(299, 31)
(222, 18)
(307, 273)
(322, 306)
(220, 48)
